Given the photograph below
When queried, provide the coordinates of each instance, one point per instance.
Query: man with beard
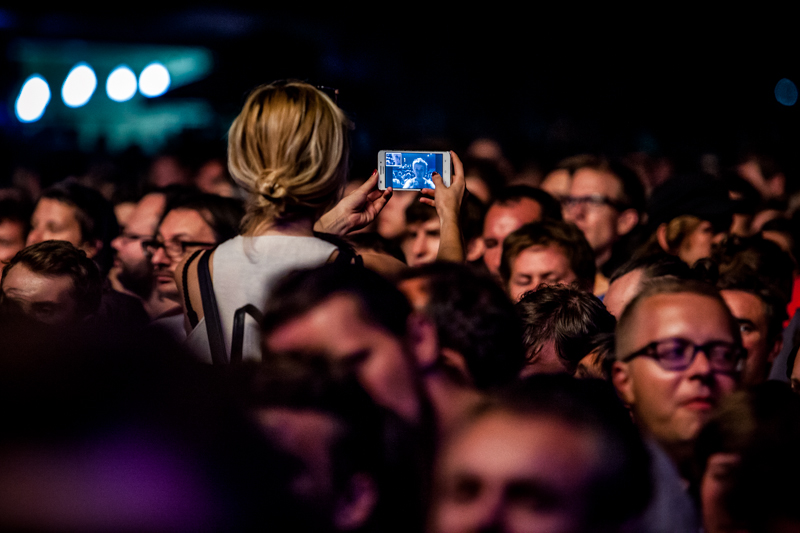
(133, 271)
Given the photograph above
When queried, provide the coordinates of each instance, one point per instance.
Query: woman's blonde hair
(289, 148)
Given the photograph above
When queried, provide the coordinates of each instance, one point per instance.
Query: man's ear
(626, 221)
(661, 235)
(455, 361)
(623, 382)
(475, 249)
(355, 506)
(776, 349)
(92, 248)
(423, 341)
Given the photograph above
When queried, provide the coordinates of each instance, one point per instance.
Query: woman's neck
(303, 227)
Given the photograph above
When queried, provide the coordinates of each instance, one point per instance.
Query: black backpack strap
(216, 341)
(238, 329)
(190, 312)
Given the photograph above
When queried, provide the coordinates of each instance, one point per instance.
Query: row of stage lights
(80, 84)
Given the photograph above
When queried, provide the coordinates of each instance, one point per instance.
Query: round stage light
(79, 86)
(121, 84)
(33, 99)
(154, 80)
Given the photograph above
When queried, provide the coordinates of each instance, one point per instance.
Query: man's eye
(465, 490)
(746, 328)
(490, 243)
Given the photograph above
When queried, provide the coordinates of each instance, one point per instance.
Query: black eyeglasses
(175, 250)
(592, 200)
(678, 354)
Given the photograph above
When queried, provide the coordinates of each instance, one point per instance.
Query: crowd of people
(278, 345)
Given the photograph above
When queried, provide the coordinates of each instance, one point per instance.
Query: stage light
(154, 80)
(121, 84)
(786, 92)
(33, 99)
(79, 86)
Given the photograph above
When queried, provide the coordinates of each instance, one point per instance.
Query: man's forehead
(144, 219)
(22, 282)
(183, 222)
(522, 210)
(592, 181)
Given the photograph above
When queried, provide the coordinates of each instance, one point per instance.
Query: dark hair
(222, 214)
(18, 211)
(620, 487)
(61, 258)
(658, 264)
(419, 212)
(300, 291)
(474, 317)
(565, 235)
(568, 317)
(551, 208)
(94, 214)
(632, 189)
(673, 286)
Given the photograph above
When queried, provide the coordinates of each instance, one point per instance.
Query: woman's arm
(447, 201)
(355, 210)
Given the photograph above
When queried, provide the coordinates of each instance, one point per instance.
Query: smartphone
(411, 171)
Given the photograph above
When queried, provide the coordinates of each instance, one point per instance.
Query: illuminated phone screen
(412, 170)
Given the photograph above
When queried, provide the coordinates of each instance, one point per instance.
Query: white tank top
(245, 271)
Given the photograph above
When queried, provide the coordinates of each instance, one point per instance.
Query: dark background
(679, 82)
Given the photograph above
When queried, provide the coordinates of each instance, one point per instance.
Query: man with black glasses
(678, 353)
(191, 222)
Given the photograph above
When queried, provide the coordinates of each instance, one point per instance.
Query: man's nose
(701, 365)
(160, 257)
(419, 245)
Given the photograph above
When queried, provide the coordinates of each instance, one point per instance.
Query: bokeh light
(154, 80)
(121, 84)
(79, 86)
(786, 92)
(33, 99)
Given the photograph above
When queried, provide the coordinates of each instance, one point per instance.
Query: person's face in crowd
(600, 222)
(502, 219)
(392, 219)
(621, 291)
(337, 327)
(672, 405)
(179, 226)
(420, 243)
(420, 171)
(12, 239)
(135, 268)
(514, 473)
(539, 265)
(48, 299)
(697, 245)
(714, 486)
(751, 314)
(53, 220)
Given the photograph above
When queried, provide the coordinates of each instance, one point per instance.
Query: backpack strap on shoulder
(216, 341)
(191, 314)
(347, 253)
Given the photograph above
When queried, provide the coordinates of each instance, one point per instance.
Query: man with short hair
(546, 252)
(553, 454)
(133, 271)
(52, 282)
(420, 241)
(70, 212)
(560, 326)
(605, 201)
(678, 352)
(512, 208)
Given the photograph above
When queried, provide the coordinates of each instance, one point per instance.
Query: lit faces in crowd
(420, 242)
(591, 206)
(673, 405)
(500, 221)
(751, 314)
(55, 220)
(337, 328)
(48, 299)
(181, 232)
(508, 472)
(537, 265)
